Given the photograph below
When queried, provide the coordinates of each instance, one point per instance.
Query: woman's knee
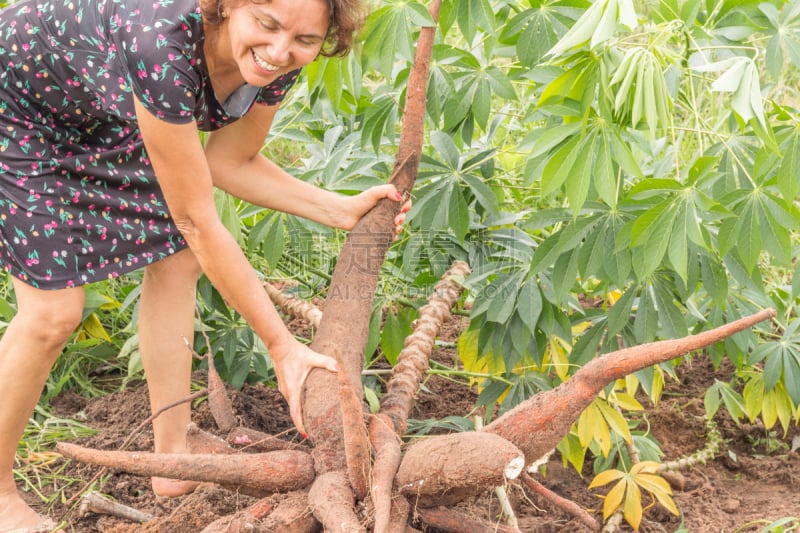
(52, 316)
(182, 266)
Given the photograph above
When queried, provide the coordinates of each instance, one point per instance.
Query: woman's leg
(166, 324)
(32, 342)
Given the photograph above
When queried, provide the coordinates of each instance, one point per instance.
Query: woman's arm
(238, 167)
(177, 156)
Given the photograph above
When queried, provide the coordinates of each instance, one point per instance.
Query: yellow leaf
(615, 420)
(769, 409)
(753, 394)
(653, 483)
(580, 327)
(110, 304)
(658, 385)
(572, 451)
(631, 384)
(93, 328)
(606, 477)
(783, 406)
(613, 499)
(559, 356)
(613, 296)
(633, 506)
(627, 402)
(592, 426)
(645, 467)
(658, 487)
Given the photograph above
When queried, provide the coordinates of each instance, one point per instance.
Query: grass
(38, 469)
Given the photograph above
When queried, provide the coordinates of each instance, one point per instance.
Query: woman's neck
(223, 71)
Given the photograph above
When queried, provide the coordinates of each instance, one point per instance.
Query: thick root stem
(331, 500)
(255, 474)
(446, 469)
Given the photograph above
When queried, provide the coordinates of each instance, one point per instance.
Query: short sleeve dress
(79, 200)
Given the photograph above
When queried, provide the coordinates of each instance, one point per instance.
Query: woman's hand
(293, 362)
(355, 207)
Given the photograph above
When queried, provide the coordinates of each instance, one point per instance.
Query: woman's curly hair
(347, 18)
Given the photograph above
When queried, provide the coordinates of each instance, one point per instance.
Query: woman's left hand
(359, 205)
(293, 361)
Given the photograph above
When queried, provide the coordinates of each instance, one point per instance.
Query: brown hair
(347, 17)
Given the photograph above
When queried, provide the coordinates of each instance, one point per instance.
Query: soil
(751, 483)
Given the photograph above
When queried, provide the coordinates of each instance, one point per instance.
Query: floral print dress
(79, 201)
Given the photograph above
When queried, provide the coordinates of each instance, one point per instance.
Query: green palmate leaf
(389, 33)
(268, 236)
(712, 399)
(588, 345)
(529, 303)
(396, 328)
(715, 279)
(651, 235)
(745, 236)
(545, 139)
(784, 28)
(226, 208)
(379, 118)
(678, 249)
(503, 296)
(565, 273)
(443, 143)
(500, 83)
(579, 178)
(732, 400)
(473, 15)
(645, 325)
(740, 77)
(783, 364)
(580, 32)
(483, 194)
(623, 155)
(604, 179)
(775, 235)
(569, 84)
(596, 25)
(456, 109)
(671, 317)
(374, 335)
(481, 97)
(342, 80)
(458, 213)
(789, 169)
(560, 164)
(620, 313)
(590, 256)
(540, 27)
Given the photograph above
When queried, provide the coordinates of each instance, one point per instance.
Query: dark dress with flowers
(79, 201)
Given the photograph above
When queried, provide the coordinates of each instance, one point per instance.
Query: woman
(102, 171)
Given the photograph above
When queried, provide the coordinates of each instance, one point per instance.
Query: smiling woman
(103, 172)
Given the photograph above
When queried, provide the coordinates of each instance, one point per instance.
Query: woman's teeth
(263, 64)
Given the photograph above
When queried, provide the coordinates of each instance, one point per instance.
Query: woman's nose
(280, 50)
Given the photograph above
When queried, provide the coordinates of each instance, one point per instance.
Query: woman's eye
(267, 25)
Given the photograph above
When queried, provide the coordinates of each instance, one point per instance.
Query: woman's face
(273, 38)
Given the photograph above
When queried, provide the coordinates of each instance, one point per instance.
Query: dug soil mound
(751, 482)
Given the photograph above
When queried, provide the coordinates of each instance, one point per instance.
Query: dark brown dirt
(751, 483)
